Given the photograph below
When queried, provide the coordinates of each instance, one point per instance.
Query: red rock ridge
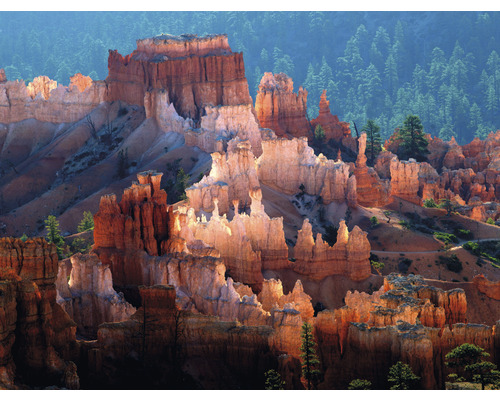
(279, 108)
(203, 71)
(334, 129)
(489, 288)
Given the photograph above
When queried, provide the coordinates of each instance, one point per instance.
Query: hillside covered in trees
(441, 66)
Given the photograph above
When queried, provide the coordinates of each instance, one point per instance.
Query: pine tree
(373, 144)
(414, 144)
(401, 377)
(467, 360)
(309, 359)
(54, 234)
(87, 223)
(319, 134)
(273, 380)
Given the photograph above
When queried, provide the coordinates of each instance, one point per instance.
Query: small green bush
(447, 238)
(405, 224)
(360, 384)
(490, 221)
(373, 221)
(430, 203)
(452, 263)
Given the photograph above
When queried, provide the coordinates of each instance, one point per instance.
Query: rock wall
(489, 288)
(349, 256)
(279, 108)
(46, 101)
(88, 295)
(404, 180)
(36, 332)
(196, 72)
(286, 164)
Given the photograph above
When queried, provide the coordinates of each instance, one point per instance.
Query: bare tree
(91, 125)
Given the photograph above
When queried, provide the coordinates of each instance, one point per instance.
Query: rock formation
(46, 101)
(371, 191)
(349, 256)
(88, 295)
(195, 71)
(223, 123)
(489, 288)
(35, 331)
(404, 180)
(334, 129)
(139, 222)
(279, 108)
(234, 170)
(3, 77)
(287, 164)
(158, 106)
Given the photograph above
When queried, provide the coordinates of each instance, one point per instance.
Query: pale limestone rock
(404, 180)
(158, 106)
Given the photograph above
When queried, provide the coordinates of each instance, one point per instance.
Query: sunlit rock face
(47, 101)
(196, 72)
(85, 291)
(279, 108)
(333, 128)
(288, 164)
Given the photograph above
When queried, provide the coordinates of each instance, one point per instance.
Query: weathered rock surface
(45, 100)
(35, 331)
(88, 295)
(196, 72)
(286, 164)
(234, 170)
(349, 256)
(489, 288)
(404, 180)
(334, 129)
(279, 108)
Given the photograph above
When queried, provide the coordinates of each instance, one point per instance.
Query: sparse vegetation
(319, 134)
(489, 250)
(24, 237)
(360, 384)
(401, 377)
(378, 266)
(451, 262)
(430, 203)
(373, 221)
(273, 380)
(447, 205)
(404, 265)
(447, 238)
(310, 361)
(490, 221)
(87, 223)
(54, 234)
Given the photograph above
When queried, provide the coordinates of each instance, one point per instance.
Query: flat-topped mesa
(332, 126)
(279, 108)
(349, 256)
(186, 45)
(195, 72)
(43, 99)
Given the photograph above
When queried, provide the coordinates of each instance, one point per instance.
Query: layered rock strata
(45, 100)
(279, 108)
(85, 291)
(232, 177)
(195, 71)
(287, 164)
(35, 332)
(349, 256)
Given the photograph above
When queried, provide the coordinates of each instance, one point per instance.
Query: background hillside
(442, 66)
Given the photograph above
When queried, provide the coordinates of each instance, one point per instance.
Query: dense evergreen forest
(442, 66)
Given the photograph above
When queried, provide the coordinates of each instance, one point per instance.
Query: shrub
(378, 266)
(447, 238)
(452, 263)
(404, 265)
(374, 221)
(490, 221)
(463, 233)
(87, 223)
(360, 384)
(472, 247)
(405, 224)
(430, 203)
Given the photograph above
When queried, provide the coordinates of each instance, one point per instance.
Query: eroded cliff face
(85, 291)
(349, 256)
(46, 101)
(196, 72)
(279, 108)
(36, 332)
(286, 164)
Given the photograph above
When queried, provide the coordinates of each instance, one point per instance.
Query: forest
(442, 66)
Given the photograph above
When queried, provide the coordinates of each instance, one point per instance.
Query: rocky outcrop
(223, 123)
(3, 77)
(349, 256)
(287, 164)
(88, 295)
(489, 288)
(195, 71)
(371, 191)
(139, 222)
(46, 101)
(36, 332)
(279, 108)
(333, 128)
(234, 170)
(157, 105)
(404, 180)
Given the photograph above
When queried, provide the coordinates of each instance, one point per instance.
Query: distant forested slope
(442, 66)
